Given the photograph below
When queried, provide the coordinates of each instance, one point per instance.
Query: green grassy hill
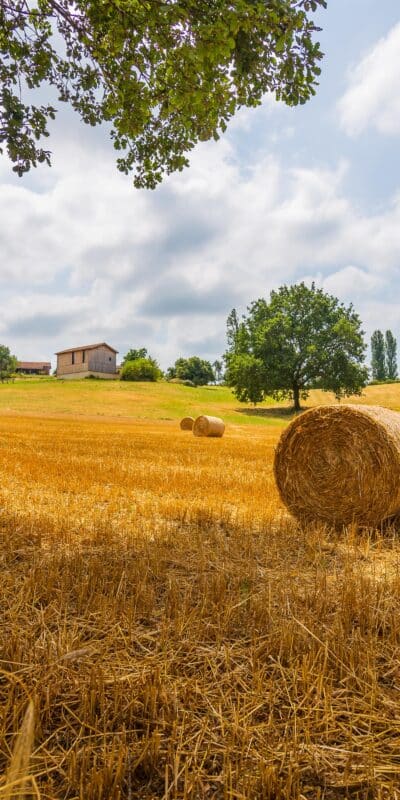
(158, 401)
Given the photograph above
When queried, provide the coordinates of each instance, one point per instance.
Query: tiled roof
(33, 364)
(86, 347)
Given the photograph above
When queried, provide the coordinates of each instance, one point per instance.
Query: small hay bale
(208, 426)
(341, 464)
(186, 424)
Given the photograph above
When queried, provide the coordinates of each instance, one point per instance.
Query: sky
(310, 193)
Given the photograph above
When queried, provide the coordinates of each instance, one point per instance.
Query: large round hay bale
(341, 464)
(186, 424)
(208, 426)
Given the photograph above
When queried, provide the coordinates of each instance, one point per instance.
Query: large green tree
(391, 356)
(298, 339)
(164, 73)
(8, 362)
(378, 356)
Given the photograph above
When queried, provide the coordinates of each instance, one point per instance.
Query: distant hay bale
(186, 424)
(208, 426)
(341, 464)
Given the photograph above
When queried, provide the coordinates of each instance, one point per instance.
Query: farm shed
(98, 360)
(33, 367)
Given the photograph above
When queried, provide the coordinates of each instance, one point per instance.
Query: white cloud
(352, 282)
(88, 257)
(372, 97)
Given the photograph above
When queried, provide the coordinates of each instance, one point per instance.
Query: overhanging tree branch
(165, 74)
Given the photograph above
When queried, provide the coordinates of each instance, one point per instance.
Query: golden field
(168, 631)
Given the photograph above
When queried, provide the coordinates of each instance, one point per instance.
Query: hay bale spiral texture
(208, 426)
(186, 424)
(341, 464)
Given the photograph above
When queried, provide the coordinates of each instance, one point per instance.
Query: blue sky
(287, 194)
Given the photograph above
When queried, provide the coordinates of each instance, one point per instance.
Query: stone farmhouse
(98, 360)
(33, 367)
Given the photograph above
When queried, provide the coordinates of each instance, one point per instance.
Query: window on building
(83, 356)
(73, 358)
(109, 358)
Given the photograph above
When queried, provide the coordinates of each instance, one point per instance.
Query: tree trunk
(296, 397)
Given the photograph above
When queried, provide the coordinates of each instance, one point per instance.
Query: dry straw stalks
(17, 781)
(185, 647)
(341, 465)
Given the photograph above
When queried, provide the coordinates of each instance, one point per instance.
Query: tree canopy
(194, 369)
(138, 352)
(8, 362)
(301, 338)
(165, 75)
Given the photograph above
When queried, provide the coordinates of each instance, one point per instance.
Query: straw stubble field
(168, 631)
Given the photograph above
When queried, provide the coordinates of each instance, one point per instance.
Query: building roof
(33, 364)
(87, 347)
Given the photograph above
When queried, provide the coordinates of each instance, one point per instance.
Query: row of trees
(138, 365)
(383, 356)
(299, 339)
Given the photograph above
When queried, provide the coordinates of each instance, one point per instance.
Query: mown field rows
(168, 631)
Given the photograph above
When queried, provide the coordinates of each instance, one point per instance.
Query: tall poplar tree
(378, 356)
(391, 356)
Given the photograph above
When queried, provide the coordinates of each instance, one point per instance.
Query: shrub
(181, 381)
(381, 383)
(142, 369)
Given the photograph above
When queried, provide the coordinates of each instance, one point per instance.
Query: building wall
(79, 375)
(100, 360)
(64, 363)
